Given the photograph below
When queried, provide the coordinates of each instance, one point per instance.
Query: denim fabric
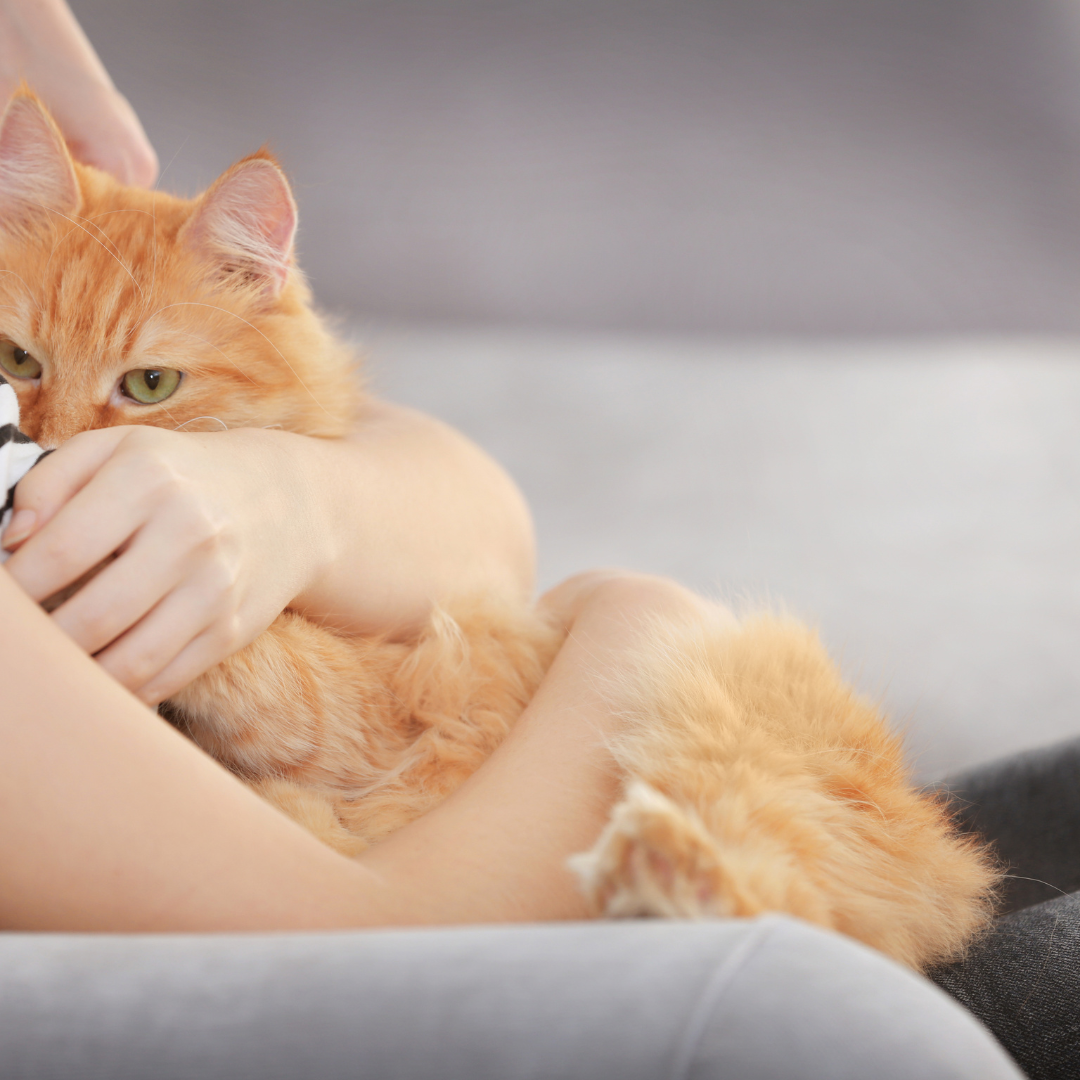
(1022, 979)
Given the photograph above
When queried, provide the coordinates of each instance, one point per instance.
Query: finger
(199, 656)
(110, 137)
(171, 548)
(96, 521)
(122, 592)
(56, 478)
(139, 657)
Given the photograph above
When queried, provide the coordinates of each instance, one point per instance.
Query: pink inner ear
(249, 218)
(35, 169)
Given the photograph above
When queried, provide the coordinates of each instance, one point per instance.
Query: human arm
(111, 820)
(222, 531)
(412, 497)
(41, 42)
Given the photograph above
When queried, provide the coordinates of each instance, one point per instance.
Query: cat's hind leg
(654, 858)
(758, 781)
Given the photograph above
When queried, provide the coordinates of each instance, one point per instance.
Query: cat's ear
(246, 222)
(36, 173)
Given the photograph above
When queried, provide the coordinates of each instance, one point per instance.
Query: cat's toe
(654, 858)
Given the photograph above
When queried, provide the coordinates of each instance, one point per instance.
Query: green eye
(150, 385)
(17, 361)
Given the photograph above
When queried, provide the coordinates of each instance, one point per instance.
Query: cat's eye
(17, 361)
(150, 385)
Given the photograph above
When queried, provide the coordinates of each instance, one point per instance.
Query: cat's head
(125, 306)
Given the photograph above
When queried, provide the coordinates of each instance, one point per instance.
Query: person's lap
(769, 998)
(763, 998)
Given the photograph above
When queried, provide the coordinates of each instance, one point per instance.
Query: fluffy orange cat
(756, 780)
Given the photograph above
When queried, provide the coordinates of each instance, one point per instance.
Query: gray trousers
(766, 999)
(1023, 978)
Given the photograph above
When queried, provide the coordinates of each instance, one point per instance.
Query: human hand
(41, 42)
(216, 534)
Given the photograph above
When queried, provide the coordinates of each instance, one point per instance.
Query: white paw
(654, 858)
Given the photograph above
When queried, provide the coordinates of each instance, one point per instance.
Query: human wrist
(290, 474)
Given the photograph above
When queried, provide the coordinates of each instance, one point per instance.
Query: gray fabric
(1029, 807)
(1023, 981)
(674, 1001)
(1023, 978)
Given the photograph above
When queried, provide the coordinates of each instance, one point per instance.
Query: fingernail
(20, 527)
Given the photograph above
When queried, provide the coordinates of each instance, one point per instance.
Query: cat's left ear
(246, 223)
(36, 174)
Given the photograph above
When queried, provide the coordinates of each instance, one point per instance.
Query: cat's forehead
(97, 275)
(114, 221)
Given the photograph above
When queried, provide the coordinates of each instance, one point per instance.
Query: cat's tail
(759, 781)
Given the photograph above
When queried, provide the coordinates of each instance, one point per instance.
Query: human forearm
(110, 820)
(219, 532)
(497, 849)
(415, 513)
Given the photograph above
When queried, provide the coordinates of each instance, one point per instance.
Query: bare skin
(42, 43)
(110, 820)
(220, 532)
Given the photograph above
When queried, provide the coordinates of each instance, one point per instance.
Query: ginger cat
(756, 780)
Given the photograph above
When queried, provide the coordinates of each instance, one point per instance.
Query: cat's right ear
(246, 223)
(36, 174)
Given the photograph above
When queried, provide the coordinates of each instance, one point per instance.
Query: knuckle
(56, 559)
(224, 637)
(208, 529)
(94, 628)
(225, 576)
(135, 668)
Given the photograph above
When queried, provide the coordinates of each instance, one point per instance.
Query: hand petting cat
(42, 43)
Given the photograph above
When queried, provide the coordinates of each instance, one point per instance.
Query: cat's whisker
(153, 241)
(284, 359)
(176, 154)
(216, 419)
(126, 210)
(153, 207)
(100, 230)
(122, 210)
(29, 291)
(1038, 881)
(67, 217)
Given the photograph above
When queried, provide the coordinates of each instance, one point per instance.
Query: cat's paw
(654, 858)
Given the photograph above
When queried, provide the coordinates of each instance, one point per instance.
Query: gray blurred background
(777, 296)
(722, 166)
